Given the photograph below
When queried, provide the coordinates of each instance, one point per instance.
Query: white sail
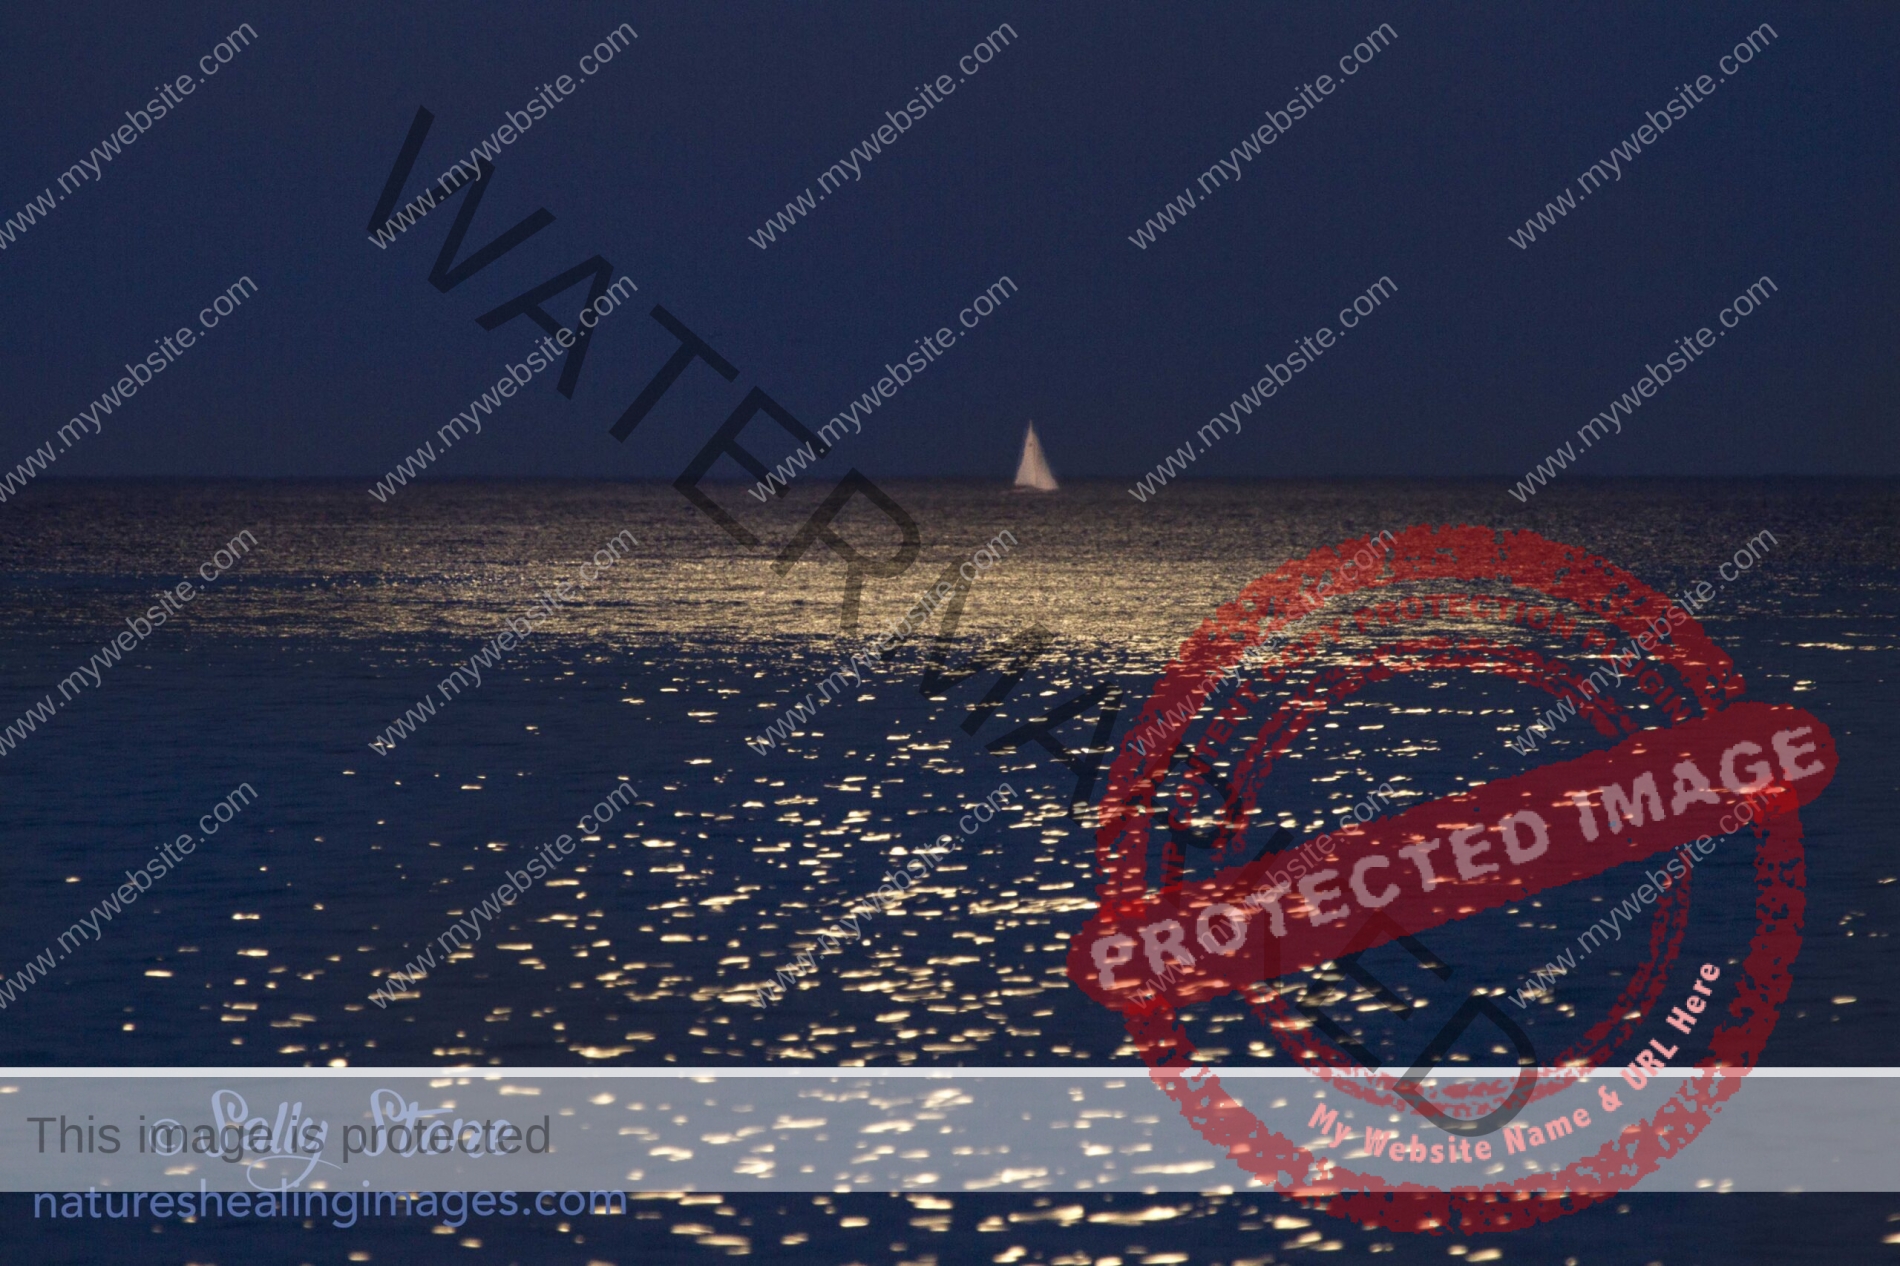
(1033, 471)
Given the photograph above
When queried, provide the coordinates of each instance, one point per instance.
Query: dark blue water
(264, 946)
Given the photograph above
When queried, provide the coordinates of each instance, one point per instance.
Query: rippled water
(648, 946)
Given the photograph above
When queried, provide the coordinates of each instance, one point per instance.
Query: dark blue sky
(1037, 168)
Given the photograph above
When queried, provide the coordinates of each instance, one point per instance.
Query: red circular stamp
(1244, 696)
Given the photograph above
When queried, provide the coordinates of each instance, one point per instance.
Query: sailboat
(1032, 473)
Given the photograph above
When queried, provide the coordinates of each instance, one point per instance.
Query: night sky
(1037, 168)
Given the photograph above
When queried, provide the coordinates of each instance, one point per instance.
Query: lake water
(264, 946)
